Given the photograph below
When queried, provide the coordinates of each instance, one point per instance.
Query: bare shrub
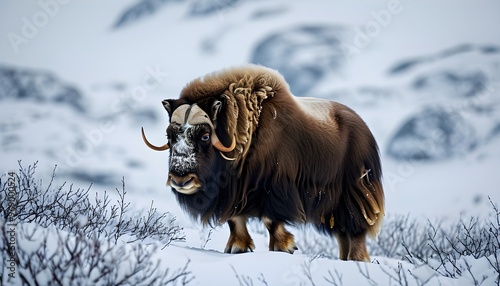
(63, 237)
(448, 251)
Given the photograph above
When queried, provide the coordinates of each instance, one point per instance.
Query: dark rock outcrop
(304, 55)
(432, 134)
(40, 86)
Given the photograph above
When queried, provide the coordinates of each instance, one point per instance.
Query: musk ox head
(212, 123)
(193, 143)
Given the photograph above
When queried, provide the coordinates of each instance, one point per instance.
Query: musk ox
(242, 146)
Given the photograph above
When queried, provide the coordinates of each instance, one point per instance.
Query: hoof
(239, 247)
(287, 245)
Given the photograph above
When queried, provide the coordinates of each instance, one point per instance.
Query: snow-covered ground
(79, 78)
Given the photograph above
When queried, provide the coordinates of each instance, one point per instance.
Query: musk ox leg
(279, 238)
(344, 244)
(357, 249)
(352, 247)
(239, 238)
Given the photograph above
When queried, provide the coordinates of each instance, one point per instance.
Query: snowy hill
(79, 78)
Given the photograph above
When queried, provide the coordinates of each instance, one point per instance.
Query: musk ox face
(189, 135)
(193, 143)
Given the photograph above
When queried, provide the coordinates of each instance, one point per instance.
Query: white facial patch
(183, 164)
(182, 146)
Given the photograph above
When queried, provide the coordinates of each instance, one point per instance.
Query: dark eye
(205, 137)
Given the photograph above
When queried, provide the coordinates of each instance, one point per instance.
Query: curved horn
(156, 148)
(226, 157)
(217, 144)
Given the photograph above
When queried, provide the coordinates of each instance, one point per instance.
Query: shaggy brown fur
(296, 161)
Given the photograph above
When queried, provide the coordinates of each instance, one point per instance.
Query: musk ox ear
(167, 105)
(214, 111)
(171, 105)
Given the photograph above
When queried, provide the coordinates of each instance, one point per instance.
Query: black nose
(181, 181)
